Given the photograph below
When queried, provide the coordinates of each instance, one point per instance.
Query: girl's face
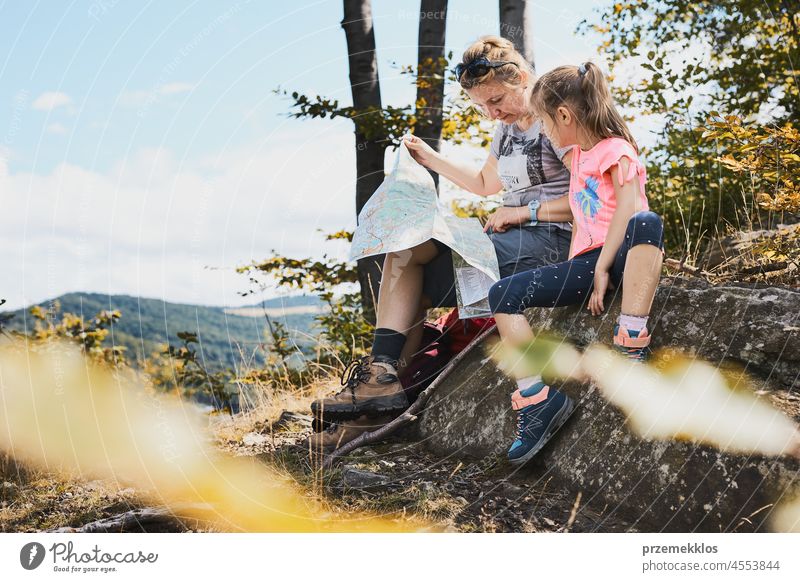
(500, 102)
(562, 130)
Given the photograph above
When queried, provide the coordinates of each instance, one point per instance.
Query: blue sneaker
(633, 344)
(541, 410)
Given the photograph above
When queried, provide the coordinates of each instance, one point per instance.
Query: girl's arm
(483, 183)
(574, 234)
(628, 204)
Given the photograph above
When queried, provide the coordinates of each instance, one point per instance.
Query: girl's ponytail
(601, 116)
(585, 91)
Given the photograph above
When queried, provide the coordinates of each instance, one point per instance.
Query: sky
(144, 149)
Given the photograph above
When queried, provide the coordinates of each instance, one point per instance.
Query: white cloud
(51, 100)
(175, 88)
(147, 97)
(5, 155)
(56, 128)
(153, 223)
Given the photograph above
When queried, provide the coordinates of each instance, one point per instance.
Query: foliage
(173, 369)
(699, 65)
(766, 159)
(345, 331)
(466, 209)
(461, 122)
(226, 337)
(766, 156)
(90, 335)
(191, 376)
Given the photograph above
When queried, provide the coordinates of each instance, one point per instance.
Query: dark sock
(388, 342)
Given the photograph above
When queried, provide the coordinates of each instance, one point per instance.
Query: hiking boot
(541, 410)
(632, 344)
(339, 434)
(371, 387)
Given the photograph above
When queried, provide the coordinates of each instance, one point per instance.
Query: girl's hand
(506, 216)
(420, 151)
(601, 279)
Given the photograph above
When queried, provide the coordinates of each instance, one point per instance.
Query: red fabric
(441, 340)
(460, 332)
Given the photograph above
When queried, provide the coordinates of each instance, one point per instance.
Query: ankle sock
(527, 382)
(388, 342)
(632, 322)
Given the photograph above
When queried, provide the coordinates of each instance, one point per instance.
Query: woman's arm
(628, 204)
(483, 183)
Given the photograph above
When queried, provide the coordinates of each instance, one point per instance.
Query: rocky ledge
(654, 486)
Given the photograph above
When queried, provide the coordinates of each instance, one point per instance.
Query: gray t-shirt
(529, 166)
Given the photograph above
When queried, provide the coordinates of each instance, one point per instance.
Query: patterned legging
(571, 282)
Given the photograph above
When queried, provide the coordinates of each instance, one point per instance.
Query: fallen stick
(759, 269)
(143, 519)
(684, 268)
(410, 415)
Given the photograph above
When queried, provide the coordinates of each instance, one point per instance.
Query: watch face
(533, 207)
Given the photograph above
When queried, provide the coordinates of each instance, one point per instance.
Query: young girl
(613, 233)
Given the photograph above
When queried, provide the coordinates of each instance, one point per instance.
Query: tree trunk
(516, 24)
(430, 73)
(370, 148)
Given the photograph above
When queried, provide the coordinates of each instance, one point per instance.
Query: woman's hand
(507, 216)
(420, 151)
(601, 279)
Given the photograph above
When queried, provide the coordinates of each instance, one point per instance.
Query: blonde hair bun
(495, 48)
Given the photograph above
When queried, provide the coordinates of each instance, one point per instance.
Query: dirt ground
(397, 479)
(401, 477)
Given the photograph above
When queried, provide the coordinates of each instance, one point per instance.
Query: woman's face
(500, 102)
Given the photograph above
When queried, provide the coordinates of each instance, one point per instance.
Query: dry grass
(33, 499)
(767, 257)
(265, 399)
(164, 446)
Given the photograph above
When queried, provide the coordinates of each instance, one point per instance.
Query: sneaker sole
(373, 407)
(556, 423)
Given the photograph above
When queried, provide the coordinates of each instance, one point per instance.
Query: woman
(530, 230)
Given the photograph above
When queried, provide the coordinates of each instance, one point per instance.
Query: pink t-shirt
(591, 192)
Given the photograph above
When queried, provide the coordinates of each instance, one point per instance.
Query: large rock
(671, 486)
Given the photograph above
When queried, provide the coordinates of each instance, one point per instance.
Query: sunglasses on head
(479, 67)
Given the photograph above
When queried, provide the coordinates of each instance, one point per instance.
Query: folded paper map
(404, 212)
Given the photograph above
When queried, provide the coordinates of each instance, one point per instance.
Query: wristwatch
(533, 207)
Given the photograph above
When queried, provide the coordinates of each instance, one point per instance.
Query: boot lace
(357, 371)
(520, 426)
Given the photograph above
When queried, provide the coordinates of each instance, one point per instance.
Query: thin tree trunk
(516, 24)
(370, 148)
(430, 73)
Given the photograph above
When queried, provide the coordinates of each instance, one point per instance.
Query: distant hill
(226, 334)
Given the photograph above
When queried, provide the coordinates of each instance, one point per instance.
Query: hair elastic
(582, 69)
